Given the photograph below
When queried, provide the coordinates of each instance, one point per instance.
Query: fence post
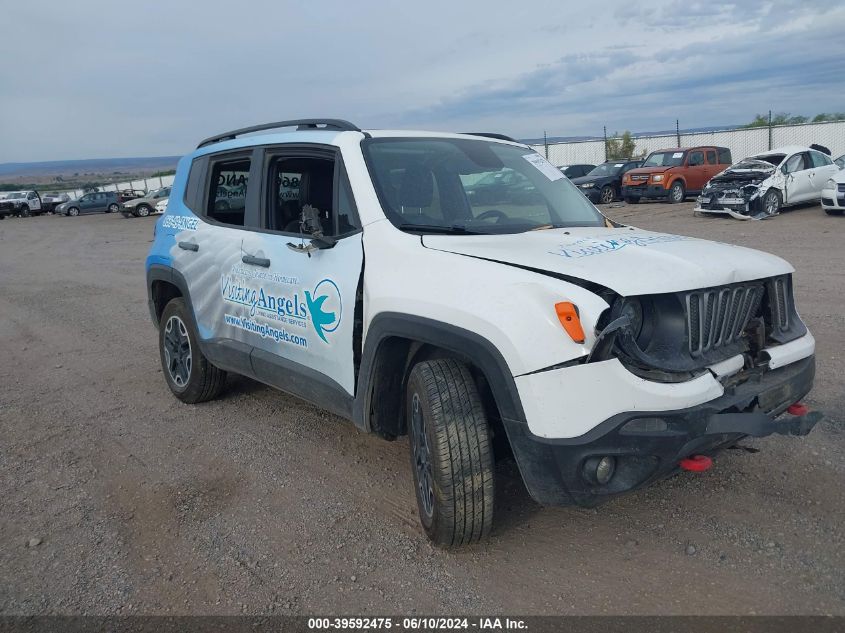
(545, 144)
(605, 144)
(770, 129)
(678, 131)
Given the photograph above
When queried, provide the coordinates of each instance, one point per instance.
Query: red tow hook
(799, 408)
(696, 463)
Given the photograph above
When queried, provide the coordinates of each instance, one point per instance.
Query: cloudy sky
(109, 78)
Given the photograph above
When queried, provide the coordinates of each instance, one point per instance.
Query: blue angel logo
(324, 307)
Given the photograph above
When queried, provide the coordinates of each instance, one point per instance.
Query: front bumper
(592, 193)
(833, 199)
(644, 191)
(554, 468)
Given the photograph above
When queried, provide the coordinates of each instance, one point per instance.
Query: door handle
(256, 261)
(189, 246)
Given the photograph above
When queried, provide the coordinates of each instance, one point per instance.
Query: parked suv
(22, 203)
(94, 202)
(357, 274)
(674, 174)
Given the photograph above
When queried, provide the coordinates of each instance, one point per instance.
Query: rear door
(823, 170)
(306, 296)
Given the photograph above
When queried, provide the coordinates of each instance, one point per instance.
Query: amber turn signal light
(567, 313)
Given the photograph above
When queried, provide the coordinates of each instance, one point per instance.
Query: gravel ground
(116, 498)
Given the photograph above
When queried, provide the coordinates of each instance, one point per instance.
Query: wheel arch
(163, 284)
(395, 342)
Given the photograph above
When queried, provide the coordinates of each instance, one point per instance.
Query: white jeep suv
(362, 271)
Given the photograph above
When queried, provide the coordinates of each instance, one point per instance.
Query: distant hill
(99, 166)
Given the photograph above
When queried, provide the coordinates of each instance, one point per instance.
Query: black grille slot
(718, 316)
(781, 315)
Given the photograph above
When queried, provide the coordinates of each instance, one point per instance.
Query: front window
(470, 186)
(664, 159)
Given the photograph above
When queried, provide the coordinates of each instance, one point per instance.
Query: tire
(451, 453)
(189, 374)
(772, 202)
(677, 193)
(73, 212)
(606, 195)
(142, 211)
(632, 200)
(112, 208)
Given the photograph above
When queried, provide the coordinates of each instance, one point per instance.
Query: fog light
(600, 470)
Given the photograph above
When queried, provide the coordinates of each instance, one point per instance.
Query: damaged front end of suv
(741, 191)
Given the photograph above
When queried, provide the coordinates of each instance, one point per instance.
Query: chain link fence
(143, 184)
(742, 142)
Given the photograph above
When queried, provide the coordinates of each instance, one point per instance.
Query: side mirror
(310, 225)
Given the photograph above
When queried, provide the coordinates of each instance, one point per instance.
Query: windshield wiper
(455, 229)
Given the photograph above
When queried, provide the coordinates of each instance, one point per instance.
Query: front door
(798, 186)
(306, 297)
(696, 173)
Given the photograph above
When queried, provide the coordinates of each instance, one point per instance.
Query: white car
(759, 186)
(602, 357)
(833, 194)
(161, 206)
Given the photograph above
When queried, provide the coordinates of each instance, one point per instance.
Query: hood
(641, 171)
(628, 261)
(593, 179)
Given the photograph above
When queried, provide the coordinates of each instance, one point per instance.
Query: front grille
(718, 316)
(841, 187)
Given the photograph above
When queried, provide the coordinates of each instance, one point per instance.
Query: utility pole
(770, 129)
(605, 144)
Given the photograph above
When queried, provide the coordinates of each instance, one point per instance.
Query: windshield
(469, 186)
(754, 163)
(664, 159)
(607, 169)
(773, 159)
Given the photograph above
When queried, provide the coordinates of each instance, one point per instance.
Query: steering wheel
(492, 213)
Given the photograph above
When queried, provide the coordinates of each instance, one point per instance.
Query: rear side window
(711, 157)
(724, 156)
(227, 187)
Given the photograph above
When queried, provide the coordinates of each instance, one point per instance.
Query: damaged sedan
(758, 187)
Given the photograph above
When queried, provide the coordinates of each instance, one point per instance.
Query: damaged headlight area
(674, 337)
(739, 189)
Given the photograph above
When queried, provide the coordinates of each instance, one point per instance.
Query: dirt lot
(116, 498)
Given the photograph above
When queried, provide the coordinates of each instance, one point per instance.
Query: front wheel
(73, 212)
(833, 211)
(451, 453)
(188, 373)
(772, 202)
(632, 199)
(677, 193)
(25, 211)
(143, 211)
(606, 194)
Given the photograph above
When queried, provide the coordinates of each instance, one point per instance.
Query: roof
(786, 149)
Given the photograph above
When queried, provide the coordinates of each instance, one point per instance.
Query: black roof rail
(300, 124)
(495, 135)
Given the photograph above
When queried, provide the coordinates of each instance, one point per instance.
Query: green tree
(619, 147)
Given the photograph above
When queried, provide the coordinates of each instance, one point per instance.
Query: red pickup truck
(675, 173)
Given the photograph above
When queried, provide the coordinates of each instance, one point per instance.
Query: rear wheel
(189, 374)
(606, 194)
(451, 453)
(113, 208)
(677, 193)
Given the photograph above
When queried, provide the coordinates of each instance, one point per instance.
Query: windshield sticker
(677, 154)
(618, 165)
(548, 170)
(592, 246)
